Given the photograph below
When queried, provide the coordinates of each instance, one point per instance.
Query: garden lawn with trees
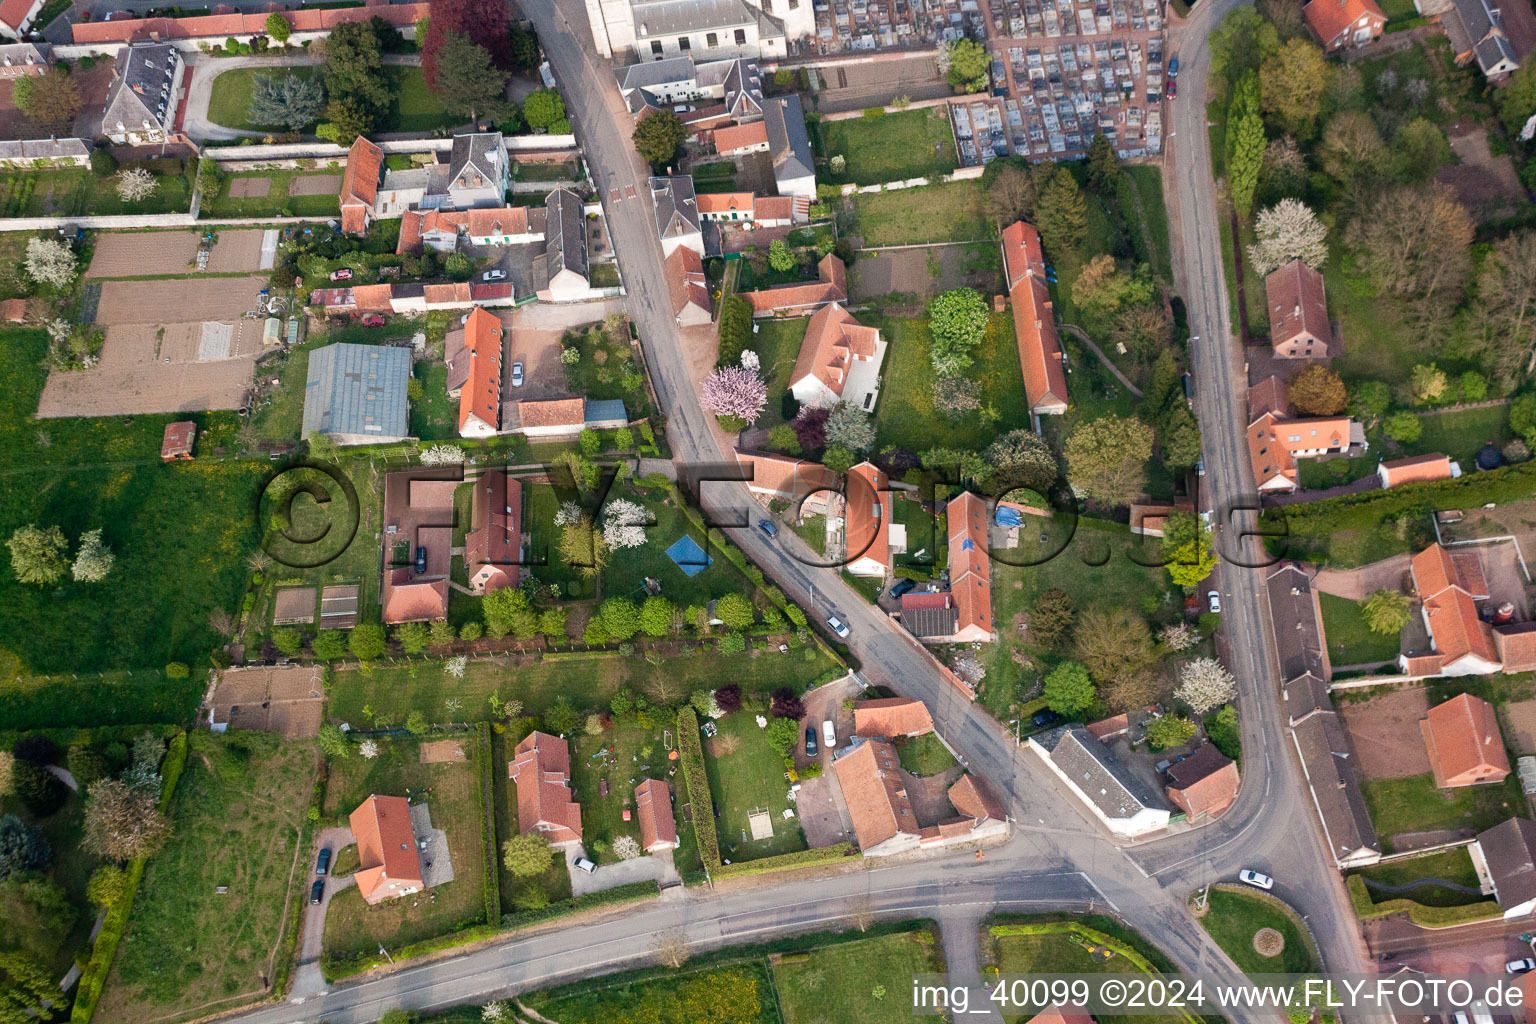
(1350, 638)
(1049, 944)
(869, 980)
(1234, 916)
(891, 147)
(521, 892)
(746, 774)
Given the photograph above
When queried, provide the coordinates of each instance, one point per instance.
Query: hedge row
(37, 702)
(799, 858)
(690, 755)
(334, 968)
(94, 978)
(631, 893)
(1425, 917)
(488, 820)
(71, 736)
(1369, 508)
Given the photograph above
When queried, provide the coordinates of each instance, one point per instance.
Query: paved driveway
(656, 867)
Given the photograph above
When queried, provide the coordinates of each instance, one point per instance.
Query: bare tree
(861, 913)
(1416, 242)
(221, 622)
(1012, 196)
(671, 948)
(258, 561)
(122, 823)
(1504, 313)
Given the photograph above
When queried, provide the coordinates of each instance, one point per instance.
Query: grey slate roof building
(1128, 805)
(788, 143)
(142, 99)
(1508, 851)
(927, 623)
(672, 71)
(14, 153)
(565, 234)
(477, 170)
(681, 17)
(1475, 28)
(743, 89)
(1305, 695)
(677, 208)
(1323, 747)
(18, 57)
(356, 393)
(1297, 617)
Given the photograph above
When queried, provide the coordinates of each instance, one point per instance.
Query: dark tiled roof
(1098, 774)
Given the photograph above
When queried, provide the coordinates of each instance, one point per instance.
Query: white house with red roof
(867, 523)
(839, 361)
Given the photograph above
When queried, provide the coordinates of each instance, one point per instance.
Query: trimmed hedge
(690, 756)
(142, 697)
(1369, 508)
(799, 858)
(94, 978)
(1425, 917)
(631, 893)
(488, 820)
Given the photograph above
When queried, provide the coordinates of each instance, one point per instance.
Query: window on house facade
(712, 39)
(741, 37)
(656, 47)
(683, 44)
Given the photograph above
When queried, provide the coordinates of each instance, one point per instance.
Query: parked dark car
(317, 890)
(810, 741)
(769, 530)
(901, 587)
(421, 559)
(1173, 67)
(325, 861)
(1045, 719)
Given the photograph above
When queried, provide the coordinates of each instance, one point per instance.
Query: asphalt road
(1056, 850)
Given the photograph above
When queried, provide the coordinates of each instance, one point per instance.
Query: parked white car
(838, 626)
(1255, 879)
(1521, 966)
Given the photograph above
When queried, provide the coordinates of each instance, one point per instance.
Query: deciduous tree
(39, 554)
(108, 885)
(286, 101)
(1021, 458)
(957, 320)
(1113, 642)
(1011, 196)
(50, 261)
(526, 855)
(278, 28)
(1169, 731)
(736, 395)
(94, 560)
(121, 822)
(1428, 384)
(1107, 458)
(850, 427)
(969, 64)
(657, 136)
(1205, 684)
(54, 101)
(468, 80)
(136, 185)
(1386, 612)
(1068, 689)
(1503, 320)
(1191, 563)
(482, 22)
(1318, 391)
(366, 641)
(1416, 242)
(1403, 426)
(1287, 231)
(1294, 80)
(779, 256)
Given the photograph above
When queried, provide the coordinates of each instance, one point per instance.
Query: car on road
(373, 320)
(517, 375)
(494, 275)
(1255, 879)
(837, 626)
(324, 862)
(769, 530)
(317, 890)
(341, 275)
(1173, 67)
(902, 587)
(810, 741)
(1173, 88)
(1213, 601)
(1522, 966)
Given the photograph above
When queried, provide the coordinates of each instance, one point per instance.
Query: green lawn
(589, 683)
(847, 976)
(239, 810)
(624, 756)
(924, 755)
(867, 587)
(813, 530)
(1060, 952)
(415, 109)
(281, 418)
(277, 202)
(608, 368)
(1350, 641)
(91, 699)
(75, 192)
(1400, 806)
(777, 344)
(1139, 194)
(905, 416)
(741, 993)
(229, 100)
(454, 797)
(895, 147)
(555, 883)
(913, 216)
(436, 416)
(1379, 343)
(1234, 917)
(747, 778)
(1450, 866)
(1462, 434)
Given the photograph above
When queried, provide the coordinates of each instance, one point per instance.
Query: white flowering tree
(1180, 636)
(626, 848)
(496, 1013)
(136, 185)
(443, 455)
(750, 360)
(1287, 231)
(624, 524)
(736, 395)
(94, 560)
(455, 666)
(368, 749)
(569, 513)
(1204, 684)
(50, 261)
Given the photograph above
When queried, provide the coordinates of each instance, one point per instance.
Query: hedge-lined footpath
(1369, 508)
(488, 825)
(1425, 917)
(690, 751)
(94, 978)
(634, 892)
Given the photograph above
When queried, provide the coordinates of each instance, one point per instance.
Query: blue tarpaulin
(1008, 517)
(688, 555)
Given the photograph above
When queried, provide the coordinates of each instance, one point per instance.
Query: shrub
(690, 754)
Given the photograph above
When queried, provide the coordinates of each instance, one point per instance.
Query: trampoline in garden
(688, 555)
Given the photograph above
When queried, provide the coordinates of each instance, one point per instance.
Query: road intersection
(1058, 858)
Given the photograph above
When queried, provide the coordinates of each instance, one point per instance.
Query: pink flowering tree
(736, 395)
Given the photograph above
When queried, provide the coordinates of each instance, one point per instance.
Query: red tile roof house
(1276, 442)
(653, 806)
(1056, 1015)
(1464, 744)
(473, 354)
(867, 520)
(1298, 311)
(889, 717)
(494, 546)
(1204, 784)
(809, 487)
(688, 288)
(414, 506)
(831, 285)
(970, 569)
(360, 186)
(839, 360)
(305, 24)
(541, 767)
(1338, 24)
(1450, 585)
(1417, 469)
(16, 17)
(1034, 323)
(386, 849)
(876, 795)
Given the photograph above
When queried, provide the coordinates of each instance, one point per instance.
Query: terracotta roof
(833, 340)
(889, 717)
(974, 798)
(1034, 323)
(831, 286)
(766, 208)
(177, 439)
(497, 220)
(1274, 441)
(1464, 743)
(786, 477)
(405, 601)
(653, 806)
(1297, 306)
(552, 412)
(1105, 728)
(1417, 468)
(456, 293)
(1269, 395)
(373, 298)
(14, 310)
(305, 19)
(1516, 645)
(1152, 517)
(868, 521)
(1205, 782)
(1435, 569)
(481, 394)
(12, 12)
(541, 767)
(1057, 1015)
(726, 202)
(870, 778)
(386, 848)
(360, 181)
(1456, 629)
(970, 566)
(496, 536)
(1329, 19)
(740, 136)
(686, 282)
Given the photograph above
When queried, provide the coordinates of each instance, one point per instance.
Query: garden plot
(314, 185)
(243, 250)
(250, 188)
(142, 253)
(183, 367)
(152, 302)
(1385, 733)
